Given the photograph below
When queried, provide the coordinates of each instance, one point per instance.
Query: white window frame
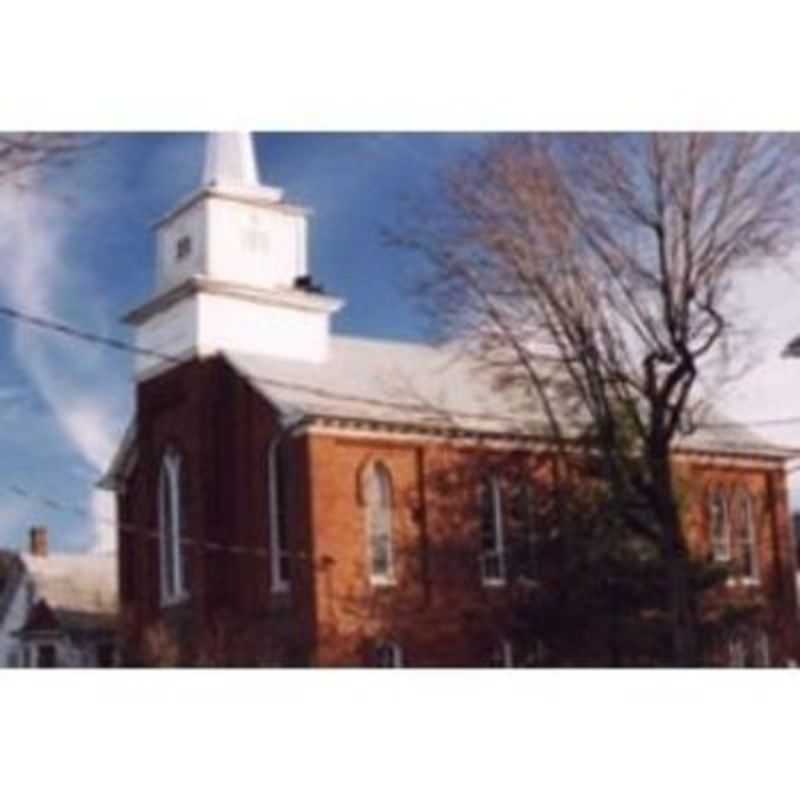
(394, 651)
(279, 550)
(720, 544)
(379, 520)
(746, 535)
(173, 586)
(761, 647)
(490, 492)
(736, 652)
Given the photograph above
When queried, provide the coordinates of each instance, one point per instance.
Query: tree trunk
(685, 649)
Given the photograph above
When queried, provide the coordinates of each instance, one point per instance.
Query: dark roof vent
(305, 283)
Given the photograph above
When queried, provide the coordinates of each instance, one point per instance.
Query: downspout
(286, 426)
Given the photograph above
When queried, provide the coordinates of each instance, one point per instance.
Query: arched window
(378, 501)
(174, 573)
(745, 535)
(719, 524)
(492, 558)
(279, 487)
(387, 654)
(521, 528)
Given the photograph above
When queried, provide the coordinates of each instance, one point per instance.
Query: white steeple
(231, 271)
(230, 160)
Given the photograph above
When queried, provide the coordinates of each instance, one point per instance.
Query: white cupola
(231, 270)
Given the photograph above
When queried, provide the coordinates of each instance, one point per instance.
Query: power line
(120, 345)
(69, 330)
(126, 527)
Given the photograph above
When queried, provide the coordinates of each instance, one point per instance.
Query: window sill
(382, 582)
(493, 583)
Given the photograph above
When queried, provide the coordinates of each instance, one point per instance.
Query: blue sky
(81, 249)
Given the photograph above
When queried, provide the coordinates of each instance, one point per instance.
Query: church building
(290, 496)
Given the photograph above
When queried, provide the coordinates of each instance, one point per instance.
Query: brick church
(288, 496)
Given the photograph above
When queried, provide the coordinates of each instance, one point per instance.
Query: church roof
(391, 382)
(420, 387)
(438, 387)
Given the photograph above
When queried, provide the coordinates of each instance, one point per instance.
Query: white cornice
(261, 196)
(289, 298)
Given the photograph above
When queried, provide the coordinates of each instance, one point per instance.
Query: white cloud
(76, 382)
(770, 389)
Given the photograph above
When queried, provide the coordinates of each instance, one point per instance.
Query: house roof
(431, 388)
(80, 591)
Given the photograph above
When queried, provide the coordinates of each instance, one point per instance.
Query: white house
(57, 610)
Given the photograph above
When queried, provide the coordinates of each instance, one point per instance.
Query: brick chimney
(39, 541)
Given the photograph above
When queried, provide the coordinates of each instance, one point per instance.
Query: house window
(502, 654)
(387, 654)
(745, 538)
(719, 525)
(378, 501)
(46, 655)
(173, 550)
(492, 558)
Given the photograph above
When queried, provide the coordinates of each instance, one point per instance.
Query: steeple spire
(230, 160)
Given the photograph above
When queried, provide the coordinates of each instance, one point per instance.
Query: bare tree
(22, 152)
(612, 256)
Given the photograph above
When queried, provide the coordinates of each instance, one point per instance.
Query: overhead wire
(67, 329)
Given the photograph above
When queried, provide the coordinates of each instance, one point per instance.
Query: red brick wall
(438, 609)
(776, 589)
(222, 429)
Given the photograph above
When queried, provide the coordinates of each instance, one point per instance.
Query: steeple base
(201, 317)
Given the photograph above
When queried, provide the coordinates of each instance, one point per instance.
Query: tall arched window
(719, 524)
(492, 559)
(174, 573)
(279, 485)
(378, 500)
(745, 535)
(520, 528)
